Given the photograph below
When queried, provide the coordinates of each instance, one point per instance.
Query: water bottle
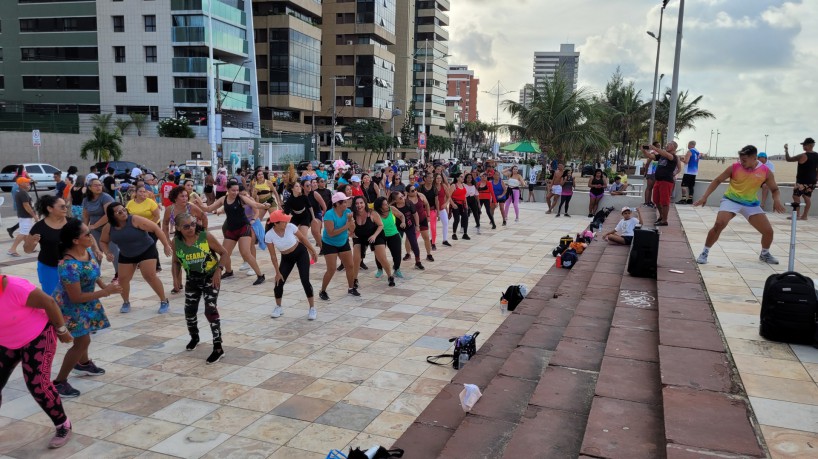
(462, 359)
(559, 261)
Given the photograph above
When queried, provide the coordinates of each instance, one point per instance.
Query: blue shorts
(48, 277)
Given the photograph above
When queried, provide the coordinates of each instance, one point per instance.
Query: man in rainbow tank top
(746, 177)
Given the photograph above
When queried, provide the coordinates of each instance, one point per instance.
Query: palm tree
(138, 120)
(102, 121)
(625, 114)
(450, 129)
(122, 124)
(687, 113)
(562, 120)
(104, 145)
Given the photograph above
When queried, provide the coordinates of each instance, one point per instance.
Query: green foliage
(175, 127)
(436, 144)
(138, 120)
(688, 113)
(408, 127)
(104, 145)
(122, 124)
(102, 121)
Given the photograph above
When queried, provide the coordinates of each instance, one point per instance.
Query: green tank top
(197, 257)
(389, 227)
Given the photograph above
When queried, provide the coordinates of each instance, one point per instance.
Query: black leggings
(487, 204)
(393, 243)
(37, 357)
(412, 237)
(298, 257)
(564, 199)
(474, 208)
(196, 286)
(461, 216)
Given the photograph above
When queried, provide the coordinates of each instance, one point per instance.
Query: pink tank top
(19, 324)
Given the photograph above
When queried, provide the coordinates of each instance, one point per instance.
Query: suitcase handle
(795, 274)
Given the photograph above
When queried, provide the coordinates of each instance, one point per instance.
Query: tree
(104, 145)
(625, 115)
(102, 121)
(175, 127)
(138, 120)
(122, 125)
(687, 113)
(562, 120)
(408, 127)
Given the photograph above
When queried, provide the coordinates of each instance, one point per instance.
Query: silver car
(42, 174)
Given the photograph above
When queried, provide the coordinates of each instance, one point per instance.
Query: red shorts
(661, 192)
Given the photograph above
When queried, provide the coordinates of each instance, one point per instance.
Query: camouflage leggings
(196, 286)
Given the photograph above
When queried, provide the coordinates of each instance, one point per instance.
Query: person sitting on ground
(623, 233)
(617, 188)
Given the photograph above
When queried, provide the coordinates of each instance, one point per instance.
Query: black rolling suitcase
(789, 306)
(644, 253)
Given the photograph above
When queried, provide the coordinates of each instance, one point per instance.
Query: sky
(755, 62)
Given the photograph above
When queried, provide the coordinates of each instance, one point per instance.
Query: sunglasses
(188, 226)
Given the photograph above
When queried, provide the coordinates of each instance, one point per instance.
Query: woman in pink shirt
(30, 323)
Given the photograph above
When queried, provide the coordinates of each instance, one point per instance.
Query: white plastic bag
(469, 396)
(523, 290)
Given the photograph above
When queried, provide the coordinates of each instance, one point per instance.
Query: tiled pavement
(287, 388)
(780, 379)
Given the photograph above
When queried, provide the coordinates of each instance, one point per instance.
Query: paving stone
(500, 344)
(478, 437)
(685, 309)
(633, 344)
(602, 309)
(530, 306)
(621, 428)
(690, 452)
(695, 368)
(681, 290)
(421, 441)
(638, 283)
(600, 279)
(526, 363)
(546, 433)
(690, 333)
(542, 336)
(687, 275)
(480, 370)
(505, 398)
(565, 389)
(588, 328)
(516, 323)
(627, 379)
(578, 353)
(708, 420)
(554, 316)
(444, 410)
(642, 319)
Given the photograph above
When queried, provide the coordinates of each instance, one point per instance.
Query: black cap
(808, 140)
(748, 150)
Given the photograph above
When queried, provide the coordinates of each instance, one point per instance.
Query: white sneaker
(768, 258)
(250, 272)
(702, 260)
(478, 230)
(244, 266)
(312, 315)
(277, 312)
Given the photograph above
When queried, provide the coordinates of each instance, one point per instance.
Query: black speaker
(644, 253)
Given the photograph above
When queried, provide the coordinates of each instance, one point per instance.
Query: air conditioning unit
(348, 103)
(350, 42)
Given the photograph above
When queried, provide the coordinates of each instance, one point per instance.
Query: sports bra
(430, 196)
(366, 230)
(459, 195)
(236, 218)
(262, 188)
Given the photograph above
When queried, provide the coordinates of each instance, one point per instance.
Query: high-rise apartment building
(462, 91)
(358, 70)
(157, 58)
(565, 61)
(526, 94)
(288, 59)
(430, 64)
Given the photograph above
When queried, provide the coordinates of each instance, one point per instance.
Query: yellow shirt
(145, 209)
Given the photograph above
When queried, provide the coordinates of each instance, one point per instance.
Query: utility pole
(334, 96)
(674, 92)
(717, 141)
(316, 149)
(498, 93)
(656, 74)
(765, 141)
(423, 122)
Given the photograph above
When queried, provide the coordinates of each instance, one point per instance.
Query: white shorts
(556, 189)
(25, 225)
(736, 208)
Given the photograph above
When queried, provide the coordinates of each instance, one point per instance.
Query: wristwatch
(62, 330)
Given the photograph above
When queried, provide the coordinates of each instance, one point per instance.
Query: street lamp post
(717, 141)
(674, 92)
(334, 97)
(497, 118)
(765, 141)
(656, 74)
(711, 142)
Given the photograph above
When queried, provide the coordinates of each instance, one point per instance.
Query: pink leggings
(514, 198)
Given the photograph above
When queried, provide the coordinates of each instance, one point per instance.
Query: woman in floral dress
(78, 272)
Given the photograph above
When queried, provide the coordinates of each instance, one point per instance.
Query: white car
(381, 164)
(42, 174)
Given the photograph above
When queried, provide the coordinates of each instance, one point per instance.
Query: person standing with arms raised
(666, 162)
(806, 176)
(691, 169)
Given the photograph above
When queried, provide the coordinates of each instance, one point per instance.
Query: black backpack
(789, 309)
(569, 258)
(513, 297)
(466, 344)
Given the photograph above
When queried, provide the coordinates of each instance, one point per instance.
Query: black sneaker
(355, 283)
(65, 390)
(259, 280)
(194, 341)
(430, 258)
(493, 226)
(466, 237)
(434, 247)
(340, 267)
(454, 236)
(215, 356)
(406, 257)
(419, 265)
(227, 274)
(353, 291)
(446, 243)
(364, 266)
(11, 232)
(681, 201)
(567, 215)
(391, 281)
(323, 295)
(504, 223)
(88, 369)
(590, 215)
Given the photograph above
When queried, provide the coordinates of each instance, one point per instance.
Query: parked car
(587, 169)
(302, 165)
(381, 164)
(42, 174)
(122, 169)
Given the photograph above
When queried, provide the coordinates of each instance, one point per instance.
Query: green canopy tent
(526, 147)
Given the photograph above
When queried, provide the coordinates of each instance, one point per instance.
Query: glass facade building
(295, 64)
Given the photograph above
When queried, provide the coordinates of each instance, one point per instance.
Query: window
(261, 61)
(119, 54)
(152, 111)
(262, 88)
(2, 82)
(152, 84)
(84, 83)
(261, 35)
(68, 53)
(150, 54)
(121, 84)
(119, 23)
(80, 24)
(150, 22)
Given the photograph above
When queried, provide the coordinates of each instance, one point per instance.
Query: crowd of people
(296, 217)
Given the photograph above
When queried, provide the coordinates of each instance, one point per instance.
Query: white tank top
(282, 243)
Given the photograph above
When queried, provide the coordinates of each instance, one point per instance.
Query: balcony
(198, 65)
(236, 101)
(186, 36)
(219, 9)
(197, 96)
